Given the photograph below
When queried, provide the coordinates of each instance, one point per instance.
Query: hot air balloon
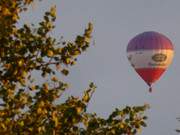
(150, 53)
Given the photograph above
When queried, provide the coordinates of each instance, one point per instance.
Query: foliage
(178, 130)
(27, 105)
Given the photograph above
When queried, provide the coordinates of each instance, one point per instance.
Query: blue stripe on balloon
(149, 41)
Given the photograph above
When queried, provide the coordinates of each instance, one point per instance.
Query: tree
(29, 106)
(178, 130)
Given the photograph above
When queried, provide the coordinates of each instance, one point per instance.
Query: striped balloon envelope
(150, 53)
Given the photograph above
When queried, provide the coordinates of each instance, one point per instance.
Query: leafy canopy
(28, 105)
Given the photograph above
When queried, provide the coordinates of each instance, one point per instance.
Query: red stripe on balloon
(150, 75)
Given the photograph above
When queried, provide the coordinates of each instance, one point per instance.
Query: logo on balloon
(159, 57)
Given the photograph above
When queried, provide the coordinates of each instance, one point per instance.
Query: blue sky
(105, 63)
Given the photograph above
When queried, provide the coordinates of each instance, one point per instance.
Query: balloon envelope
(150, 53)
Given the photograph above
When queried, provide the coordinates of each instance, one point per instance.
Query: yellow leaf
(86, 97)
(2, 114)
(39, 111)
(68, 60)
(122, 125)
(15, 17)
(6, 12)
(54, 79)
(24, 73)
(54, 118)
(50, 53)
(15, 72)
(73, 63)
(22, 81)
(39, 129)
(3, 126)
(33, 87)
(60, 50)
(53, 11)
(76, 53)
(78, 109)
(87, 39)
(45, 85)
(45, 111)
(21, 123)
(20, 62)
(41, 103)
(30, 129)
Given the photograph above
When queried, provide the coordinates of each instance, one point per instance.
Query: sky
(105, 63)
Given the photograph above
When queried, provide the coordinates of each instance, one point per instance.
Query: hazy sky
(105, 63)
